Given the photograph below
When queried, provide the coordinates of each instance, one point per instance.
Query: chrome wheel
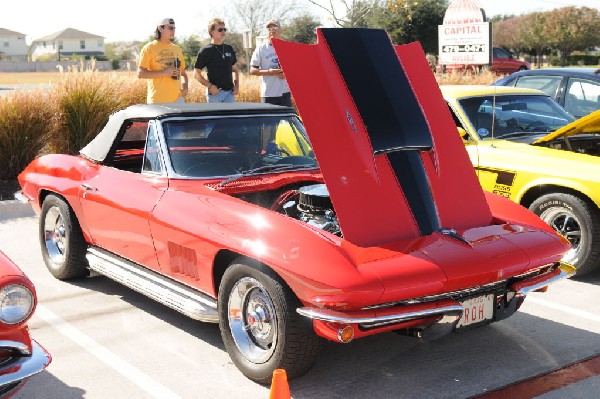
(252, 320)
(61, 240)
(566, 223)
(55, 235)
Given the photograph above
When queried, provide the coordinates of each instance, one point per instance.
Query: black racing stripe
(380, 89)
(410, 172)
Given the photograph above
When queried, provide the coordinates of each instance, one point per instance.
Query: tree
(410, 21)
(301, 29)
(507, 33)
(533, 34)
(347, 13)
(254, 14)
(572, 28)
(190, 46)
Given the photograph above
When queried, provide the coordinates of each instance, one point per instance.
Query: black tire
(577, 220)
(61, 240)
(274, 336)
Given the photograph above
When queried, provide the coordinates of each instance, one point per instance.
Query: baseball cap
(166, 21)
(272, 22)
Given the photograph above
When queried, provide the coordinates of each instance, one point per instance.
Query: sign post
(247, 43)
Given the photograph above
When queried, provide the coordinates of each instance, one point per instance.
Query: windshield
(223, 147)
(514, 116)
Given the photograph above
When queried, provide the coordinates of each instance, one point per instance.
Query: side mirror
(463, 134)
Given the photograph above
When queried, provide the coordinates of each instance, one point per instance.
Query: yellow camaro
(525, 147)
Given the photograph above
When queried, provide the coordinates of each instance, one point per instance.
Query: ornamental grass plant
(85, 99)
(27, 128)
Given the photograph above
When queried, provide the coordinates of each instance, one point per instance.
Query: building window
(44, 44)
(100, 42)
(60, 44)
(6, 43)
(82, 44)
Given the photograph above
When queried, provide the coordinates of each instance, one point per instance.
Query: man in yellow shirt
(162, 63)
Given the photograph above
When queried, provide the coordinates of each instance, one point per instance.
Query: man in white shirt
(273, 86)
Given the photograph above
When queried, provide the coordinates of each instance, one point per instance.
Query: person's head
(273, 29)
(165, 29)
(217, 29)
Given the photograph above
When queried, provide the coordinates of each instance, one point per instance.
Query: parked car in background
(525, 147)
(222, 211)
(503, 62)
(20, 356)
(576, 89)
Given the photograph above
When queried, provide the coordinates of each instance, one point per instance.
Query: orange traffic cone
(279, 385)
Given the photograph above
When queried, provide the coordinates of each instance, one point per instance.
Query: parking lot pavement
(110, 342)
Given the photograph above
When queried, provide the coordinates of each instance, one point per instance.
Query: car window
(222, 147)
(152, 160)
(547, 84)
(511, 114)
(582, 97)
(500, 53)
(129, 150)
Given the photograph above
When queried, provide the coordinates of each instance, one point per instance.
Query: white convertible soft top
(98, 148)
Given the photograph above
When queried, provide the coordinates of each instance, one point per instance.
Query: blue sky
(132, 20)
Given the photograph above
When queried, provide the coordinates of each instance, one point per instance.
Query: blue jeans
(223, 96)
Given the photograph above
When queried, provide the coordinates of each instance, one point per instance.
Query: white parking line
(563, 308)
(142, 380)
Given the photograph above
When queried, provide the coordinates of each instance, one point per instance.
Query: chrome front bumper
(19, 196)
(447, 312)
(24, 366)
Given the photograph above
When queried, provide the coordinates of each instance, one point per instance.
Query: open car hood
(584, 125)
(379, 128)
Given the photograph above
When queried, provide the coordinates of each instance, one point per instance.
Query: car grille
(497, 286)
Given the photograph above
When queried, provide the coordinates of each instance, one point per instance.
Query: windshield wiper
(517, 134)
(265, 168)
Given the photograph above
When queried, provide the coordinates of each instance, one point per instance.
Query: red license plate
(476, 310)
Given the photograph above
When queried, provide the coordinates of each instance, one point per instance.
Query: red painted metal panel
(369, 202)
(458, 195)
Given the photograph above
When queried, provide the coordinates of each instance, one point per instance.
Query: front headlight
(16, 304)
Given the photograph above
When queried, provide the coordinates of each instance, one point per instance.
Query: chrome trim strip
(333, 316)
(19, 196)
(16, 347)
(566, 271)
(182, 298)
(26, 366)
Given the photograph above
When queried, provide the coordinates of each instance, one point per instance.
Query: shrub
(85, 101)
(27, 126)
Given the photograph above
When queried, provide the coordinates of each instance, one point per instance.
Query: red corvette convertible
(20, 356)
(371, 220)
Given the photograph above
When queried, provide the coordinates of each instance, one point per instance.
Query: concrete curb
(13, 209)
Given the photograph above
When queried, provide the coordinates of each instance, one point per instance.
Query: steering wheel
(538, 126)
(273, 149)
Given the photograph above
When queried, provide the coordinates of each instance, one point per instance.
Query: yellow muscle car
(525, 147)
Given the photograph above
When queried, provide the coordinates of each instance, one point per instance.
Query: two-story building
(65, 44)
(13, 46)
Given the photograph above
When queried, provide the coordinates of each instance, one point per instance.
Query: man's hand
(171, 72)
(212, 89)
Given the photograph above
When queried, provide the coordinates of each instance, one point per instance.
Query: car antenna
(493, 114)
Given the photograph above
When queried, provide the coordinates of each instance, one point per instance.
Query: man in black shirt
(222, 75)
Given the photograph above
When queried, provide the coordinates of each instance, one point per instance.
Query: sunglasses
(222, 30)
(273, 28)
(170, 27)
